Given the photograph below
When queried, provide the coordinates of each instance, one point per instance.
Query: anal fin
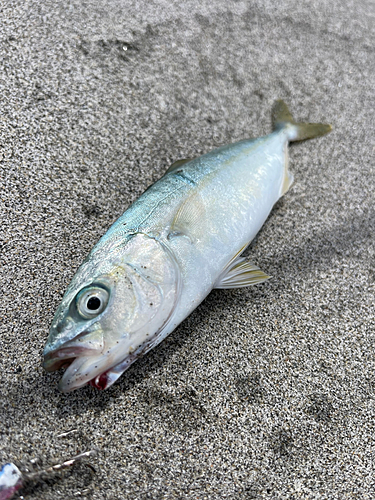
(240, 273)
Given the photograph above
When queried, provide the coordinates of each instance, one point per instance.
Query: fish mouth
(83, 361)
(64, 356)
(87, 360)
(82, 366)
(85, 366)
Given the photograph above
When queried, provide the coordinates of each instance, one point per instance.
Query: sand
(262, 393)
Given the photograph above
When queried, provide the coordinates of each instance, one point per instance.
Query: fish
(183, 237)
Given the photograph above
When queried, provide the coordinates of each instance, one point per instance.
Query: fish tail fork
(282, 118)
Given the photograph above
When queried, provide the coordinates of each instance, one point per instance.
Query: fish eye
(92, 301)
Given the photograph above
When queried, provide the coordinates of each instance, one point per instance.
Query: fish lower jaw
(100, 381)
(85, 370)
(75, 378)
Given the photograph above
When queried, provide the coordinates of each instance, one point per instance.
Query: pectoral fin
(240, 273)
(190, 219)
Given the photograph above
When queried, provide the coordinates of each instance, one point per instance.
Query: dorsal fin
(177, 164)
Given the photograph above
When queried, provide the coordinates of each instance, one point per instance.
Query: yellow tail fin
(281, 118)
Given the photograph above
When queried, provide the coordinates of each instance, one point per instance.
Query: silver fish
(183, 237)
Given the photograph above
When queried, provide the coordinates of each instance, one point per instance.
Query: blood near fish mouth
(100, 381)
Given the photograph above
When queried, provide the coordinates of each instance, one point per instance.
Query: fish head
(116, 307)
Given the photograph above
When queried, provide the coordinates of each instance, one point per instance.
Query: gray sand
(266, 392)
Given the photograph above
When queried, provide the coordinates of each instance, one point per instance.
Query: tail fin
(281, 117)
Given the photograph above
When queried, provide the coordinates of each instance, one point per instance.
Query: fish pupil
(93, 303)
